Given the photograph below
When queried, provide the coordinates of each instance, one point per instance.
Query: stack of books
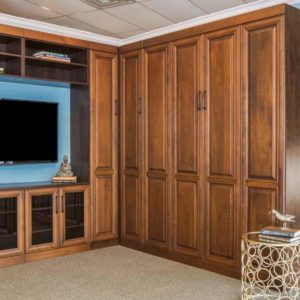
(1, 70)
(52, 56)
(64, 179)
(272, 234)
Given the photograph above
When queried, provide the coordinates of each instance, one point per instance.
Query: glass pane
(42, 219)
(8, 223)
(74, 215)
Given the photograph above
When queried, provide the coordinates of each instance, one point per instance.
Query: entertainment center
(43, 219)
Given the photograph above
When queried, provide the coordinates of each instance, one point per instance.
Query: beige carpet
(113, 273)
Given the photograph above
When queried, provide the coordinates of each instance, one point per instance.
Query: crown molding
(93, 37)
(59, 30)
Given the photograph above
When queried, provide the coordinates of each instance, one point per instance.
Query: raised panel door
(221, 110)
(261, 98)
(157, 87)
(131, 146)
(104, 95)
(186, 145)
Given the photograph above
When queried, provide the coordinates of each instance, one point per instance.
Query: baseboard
(104, 244)
(184, 258)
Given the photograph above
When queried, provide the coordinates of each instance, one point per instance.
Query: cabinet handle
(139, 104)
(199, 100)
(204, 100)
(116, 107)
(62, 204)
(57, 205)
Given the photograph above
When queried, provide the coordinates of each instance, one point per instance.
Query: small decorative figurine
(285, 219)
(65, 168)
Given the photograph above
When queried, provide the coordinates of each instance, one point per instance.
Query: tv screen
(28, 131)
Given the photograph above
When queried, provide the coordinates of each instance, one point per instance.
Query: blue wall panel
(60, 95)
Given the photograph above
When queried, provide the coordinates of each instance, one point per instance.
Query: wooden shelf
(45, 60)
(9, 54)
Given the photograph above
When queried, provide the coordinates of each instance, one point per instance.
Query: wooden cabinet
(221, 111)
(131, 146)
(56, 217)
(104, 95)
(157, 117)
(187, 145)
(261, 58)
(11, 223)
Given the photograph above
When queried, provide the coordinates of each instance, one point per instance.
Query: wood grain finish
(186, 145)
(132, 112)
(222, 146)
(157, 84)
(261, 58)
(104, 95)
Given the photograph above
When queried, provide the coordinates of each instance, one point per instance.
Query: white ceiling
(119, 22)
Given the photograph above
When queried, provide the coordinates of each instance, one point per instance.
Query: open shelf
(11, 64)
(10, 45)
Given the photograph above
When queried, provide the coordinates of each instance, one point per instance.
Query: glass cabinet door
(75, 215)
(11, 223)
(42, 209)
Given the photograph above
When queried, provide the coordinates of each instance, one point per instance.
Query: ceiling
(120, 21)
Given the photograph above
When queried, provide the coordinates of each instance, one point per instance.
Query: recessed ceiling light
(100, 4)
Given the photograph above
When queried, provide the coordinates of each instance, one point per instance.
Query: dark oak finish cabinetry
(104, 95)
(233, 152)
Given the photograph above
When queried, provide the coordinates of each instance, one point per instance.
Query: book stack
(64, 179)
(272, 234)
(1, 70)
(52, 56)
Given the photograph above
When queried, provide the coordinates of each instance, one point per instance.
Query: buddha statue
(65, 168)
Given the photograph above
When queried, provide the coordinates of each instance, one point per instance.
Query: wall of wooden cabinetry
(203, 139)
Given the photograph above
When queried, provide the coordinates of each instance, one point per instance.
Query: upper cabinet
(104, 95)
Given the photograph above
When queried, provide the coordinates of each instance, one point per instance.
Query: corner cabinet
(56, 217)
(11, 223)
(104, 139)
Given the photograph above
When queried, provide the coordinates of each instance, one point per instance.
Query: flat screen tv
(28, 132)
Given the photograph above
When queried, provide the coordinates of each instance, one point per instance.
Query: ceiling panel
(104, 21)
(64, 7)
(25, 9)
(69, 22)
(177, 11)
(128, 34)
(217, 5)
(140, 16)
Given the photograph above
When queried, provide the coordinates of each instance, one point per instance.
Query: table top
(253, 238)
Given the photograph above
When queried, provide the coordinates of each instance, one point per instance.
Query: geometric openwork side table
(269, 271)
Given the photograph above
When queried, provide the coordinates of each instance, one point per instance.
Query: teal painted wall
(27, 91)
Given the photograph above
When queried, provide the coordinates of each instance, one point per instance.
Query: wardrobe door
(261, 121)
(186, 132)
(104, 95)
(131, 143)
(157, 91)
(221, 110)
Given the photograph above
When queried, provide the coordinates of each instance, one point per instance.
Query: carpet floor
(113, 273)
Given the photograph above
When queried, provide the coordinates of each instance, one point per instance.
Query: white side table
(270, 271)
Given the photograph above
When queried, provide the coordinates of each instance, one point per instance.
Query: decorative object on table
(65, 173)
(269, 270)
(52, 56)
(283, 218)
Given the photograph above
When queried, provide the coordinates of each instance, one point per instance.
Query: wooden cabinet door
(104, 95)
(42, 211)
(131, 146)
(157, 91)
(221, 110)
(261, 88)
(186, 152)
(11, 223)
(74, 215)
